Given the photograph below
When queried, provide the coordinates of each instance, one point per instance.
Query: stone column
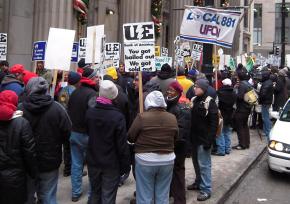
(175, 20)
(133, 12)
(52, 13)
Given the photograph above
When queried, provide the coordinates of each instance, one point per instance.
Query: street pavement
(262, 186)
(226, 172)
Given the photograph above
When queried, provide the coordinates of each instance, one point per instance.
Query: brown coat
(154, 131)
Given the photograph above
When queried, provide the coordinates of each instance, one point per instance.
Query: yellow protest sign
(157, 51)
(215, 59)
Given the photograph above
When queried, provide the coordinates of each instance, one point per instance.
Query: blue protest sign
(75, 51)
(38, 52)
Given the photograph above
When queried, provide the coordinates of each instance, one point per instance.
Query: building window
(257, 35)
(278, 17)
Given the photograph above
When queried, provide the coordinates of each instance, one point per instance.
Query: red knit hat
(27, 75)
(8, 104)
(177, 87)
(16, 69)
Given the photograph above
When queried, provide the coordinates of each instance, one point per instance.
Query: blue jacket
(11, 83)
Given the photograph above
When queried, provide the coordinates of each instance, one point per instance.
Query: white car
(279, 144)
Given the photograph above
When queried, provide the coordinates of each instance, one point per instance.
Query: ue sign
(136, 32)
(38, 53)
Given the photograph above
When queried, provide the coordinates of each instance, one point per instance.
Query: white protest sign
(139, 47)
(244, 60)
(227, 60)
(239, 60)
(3, 46)
(82, 48)
(139, 57)
(185, 47)
(98, 31)
(59, 49)
(288, 60)
(137, 32)
(112, 51)
(196, 51)
(111, 63)
(164, 52)
(159, 61)
(209, 25)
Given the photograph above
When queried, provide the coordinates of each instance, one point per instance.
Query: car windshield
(285, 116)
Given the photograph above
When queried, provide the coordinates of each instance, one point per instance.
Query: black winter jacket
(107, 147)
(78, 105)
(240, 91)
(17, 152)
(203, 127)
(227, 99)
(266, 92)
(280, 93)
(51, 127)
(183, 117)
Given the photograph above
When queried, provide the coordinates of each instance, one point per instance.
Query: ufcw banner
(208, 25)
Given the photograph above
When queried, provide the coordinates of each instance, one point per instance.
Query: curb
(235, 183)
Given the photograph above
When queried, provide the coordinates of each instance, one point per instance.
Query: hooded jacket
(51, 127)
(78, 104)
(10, 82)
(267, 89)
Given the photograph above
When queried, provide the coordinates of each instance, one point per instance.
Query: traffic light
(277, 51)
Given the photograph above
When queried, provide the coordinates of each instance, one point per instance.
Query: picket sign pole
(216, 68)
(94, 49)
(141, 105)
(34, 66)
(54, 83)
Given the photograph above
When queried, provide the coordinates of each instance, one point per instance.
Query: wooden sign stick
(141, 101)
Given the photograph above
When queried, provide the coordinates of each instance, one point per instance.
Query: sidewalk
(226, 171)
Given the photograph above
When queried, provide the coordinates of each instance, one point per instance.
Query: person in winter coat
(280, 90)
(226, 101)
(183, 81)
(173, 95)
(78, 104)
(14, 80)
(154, 133)
(4, 67)
(204, 124)
(17, 151)
(108, 154)
(164, 78)
(243, 110)
(51, 128)
(266, 99)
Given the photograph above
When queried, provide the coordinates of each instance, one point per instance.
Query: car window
(285, 116)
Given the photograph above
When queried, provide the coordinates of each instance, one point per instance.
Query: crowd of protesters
(95, 122)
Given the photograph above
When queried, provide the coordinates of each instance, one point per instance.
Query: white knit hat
(108, 89)
(227, 82)
(155, 99)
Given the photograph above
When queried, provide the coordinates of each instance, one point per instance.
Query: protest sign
(138, 32)
(112, 51)
(75, 50)
(157, 51)
(239, 60)
(82, 48)
(159, 61)
(209, 25)
(139, 57)
(38, 52)
(288, 60)
(59, 49)
(3, 46)
(185, 47)
(164, 52)
(196, 51)
(215, 59)
(111, 63)
(94, 44)
(139, 49)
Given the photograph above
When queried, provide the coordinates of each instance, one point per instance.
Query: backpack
(220, 117)
(251, 97)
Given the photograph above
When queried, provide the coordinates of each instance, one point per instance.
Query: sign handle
(34, 66)
(141, 101)
(53, 83)
(216, 69)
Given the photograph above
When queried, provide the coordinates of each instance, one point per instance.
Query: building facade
(27, 21)
(267, 27)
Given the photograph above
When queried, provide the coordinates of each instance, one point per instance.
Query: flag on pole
(250, 64)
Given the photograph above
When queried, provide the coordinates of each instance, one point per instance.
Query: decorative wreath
(81, 6)
(156, 8)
